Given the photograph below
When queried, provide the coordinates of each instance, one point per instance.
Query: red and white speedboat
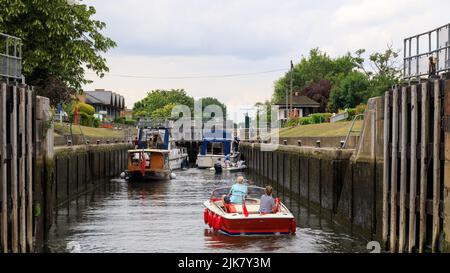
(246, 219)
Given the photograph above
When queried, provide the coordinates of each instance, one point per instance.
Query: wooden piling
(14, 186)
(387, 119)
(29, 193)
(423, 166)
(394, 165)
(436, 165)
(22, 197)
(4, 220)
(413, 171)
(403, 175)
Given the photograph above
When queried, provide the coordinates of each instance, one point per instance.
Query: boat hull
(256, 226)
(149, 176)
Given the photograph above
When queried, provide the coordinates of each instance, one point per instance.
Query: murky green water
(168, 217)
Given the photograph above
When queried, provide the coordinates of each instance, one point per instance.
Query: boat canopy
(226, 145)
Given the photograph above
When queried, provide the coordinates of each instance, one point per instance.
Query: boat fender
(123, 175)
(205, 216)
(210, 219)
(218, 222)
(293, 227)
(213, 224)
(173, 176)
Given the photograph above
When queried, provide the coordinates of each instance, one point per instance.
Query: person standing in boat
(237, 192)
(268, 204)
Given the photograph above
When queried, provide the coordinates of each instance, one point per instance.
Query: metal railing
(434, 43)
(11, 58)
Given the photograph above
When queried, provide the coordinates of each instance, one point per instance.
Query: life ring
(293, 226)
(205, 216)
(217, 222)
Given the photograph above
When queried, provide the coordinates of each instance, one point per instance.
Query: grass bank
(321, 130)
(89, 131)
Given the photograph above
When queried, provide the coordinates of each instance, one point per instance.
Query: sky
(162, 41)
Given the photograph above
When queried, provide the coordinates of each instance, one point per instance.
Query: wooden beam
(22, 197)
(14, 206)
(30, 141)
(436, 165)
(387, 120)
(423, 166)
(4, 177)
(413, 171)
(403, 174)
(394, 166)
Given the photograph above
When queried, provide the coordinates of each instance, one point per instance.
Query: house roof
(105, 98)
(300, 101)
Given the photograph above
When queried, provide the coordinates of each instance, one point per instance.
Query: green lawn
(89, 131)
(321, 130)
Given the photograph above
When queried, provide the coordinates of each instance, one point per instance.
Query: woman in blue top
(237, 192)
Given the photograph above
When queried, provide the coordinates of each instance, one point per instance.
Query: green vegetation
(60, 39)
(159, 103)
(89, 131)
(321, 130)
(86, 112)
(341, 82)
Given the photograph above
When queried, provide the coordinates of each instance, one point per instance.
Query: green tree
(158, 99)
(383, 70)
(353, 89)
(60, 39)
(313, 71)
(213, 101)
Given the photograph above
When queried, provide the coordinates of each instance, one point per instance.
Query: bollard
(69, 142)
(98, 142)
(299, 142)
(285, 142)
(342, 143)
(318, 143)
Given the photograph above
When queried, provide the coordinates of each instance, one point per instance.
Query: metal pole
(291, 86)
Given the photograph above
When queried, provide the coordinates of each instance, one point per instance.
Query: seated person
(267, 204)
(237, 193)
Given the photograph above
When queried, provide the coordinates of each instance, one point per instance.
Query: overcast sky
(197, 38)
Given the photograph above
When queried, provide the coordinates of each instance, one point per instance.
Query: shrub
(305, 121)
(360, 109)
(86, 108)
(320, 117)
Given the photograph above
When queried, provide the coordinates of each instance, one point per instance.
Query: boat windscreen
(252, 192)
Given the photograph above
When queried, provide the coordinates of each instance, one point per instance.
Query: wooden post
(403, 163)
(4, 220)
(436, 165)
(393, 235)
(423, 166)
(387, 119)
(14, 207)
(413, 171)
(29, 187)
(22, 204)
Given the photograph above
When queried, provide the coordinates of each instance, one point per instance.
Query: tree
(314, 76)
(158, 99)
(352, 90)
(60, 39)
(383, 70)
(213, 101)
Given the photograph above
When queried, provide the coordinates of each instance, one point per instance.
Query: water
(168, 217)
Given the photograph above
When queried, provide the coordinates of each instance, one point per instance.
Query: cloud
(204, 37)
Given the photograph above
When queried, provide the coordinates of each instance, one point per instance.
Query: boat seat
(252, 209)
